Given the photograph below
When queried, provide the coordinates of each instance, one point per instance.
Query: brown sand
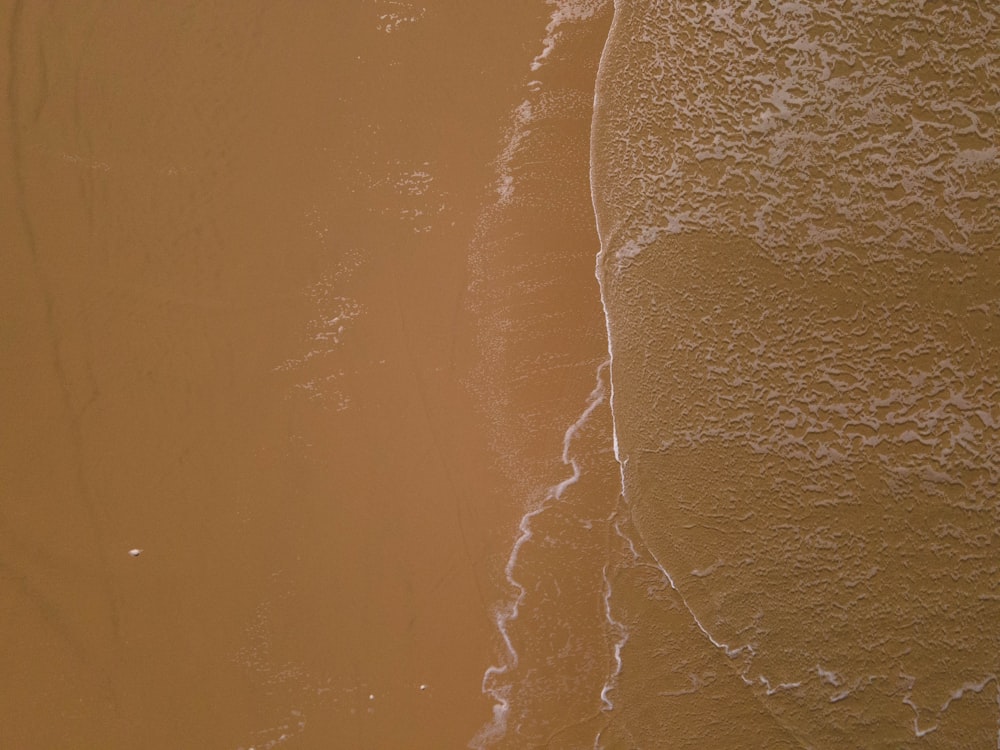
(237, 334)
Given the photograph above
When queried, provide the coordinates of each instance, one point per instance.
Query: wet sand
(244, 332)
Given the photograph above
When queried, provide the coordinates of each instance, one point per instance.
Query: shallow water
(797, 207)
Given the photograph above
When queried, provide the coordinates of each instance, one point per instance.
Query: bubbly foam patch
(870, 115)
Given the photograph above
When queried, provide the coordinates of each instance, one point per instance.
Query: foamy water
(879, 120)
(796, 208)
(797, 212)
(559, 649)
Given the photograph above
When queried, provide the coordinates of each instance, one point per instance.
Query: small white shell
(135, 552)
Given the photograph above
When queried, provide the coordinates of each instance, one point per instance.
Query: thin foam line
(505, 615)
(601, 254)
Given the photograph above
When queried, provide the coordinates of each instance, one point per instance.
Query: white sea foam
(621, 634)
(518, 131)
(606, 249)
(846, 121)
(507, 613)
(614, 625)
(320, 375)
(396, 15)
(924, 419)
(972, 686)
(564, 11)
